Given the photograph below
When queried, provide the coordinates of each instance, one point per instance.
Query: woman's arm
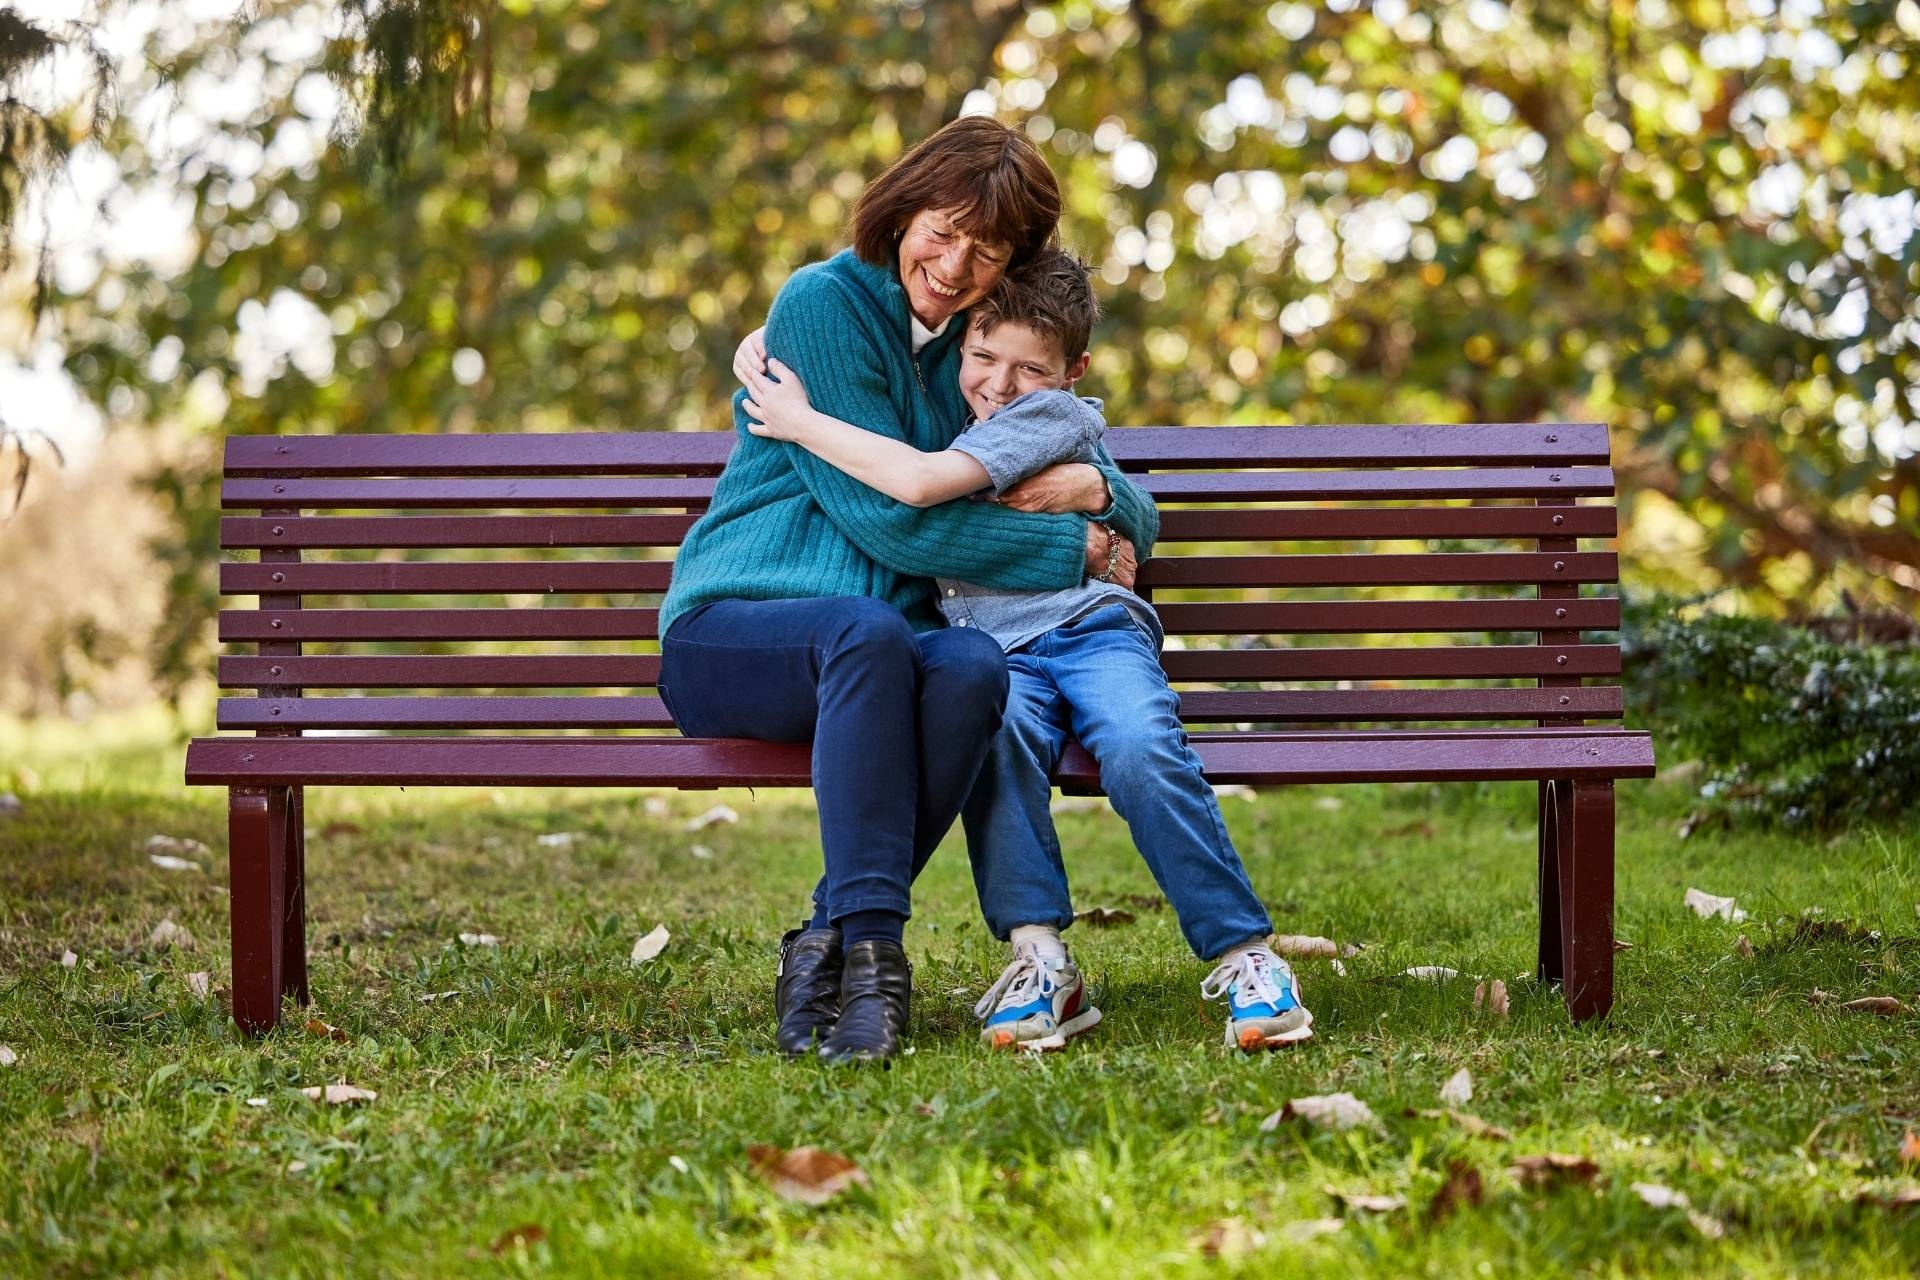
(778, 399)
(832, 343)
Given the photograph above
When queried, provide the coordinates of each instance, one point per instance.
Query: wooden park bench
(1454, 549)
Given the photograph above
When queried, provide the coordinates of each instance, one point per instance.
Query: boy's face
(1007, 363)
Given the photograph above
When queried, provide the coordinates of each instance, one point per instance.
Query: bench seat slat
(590, 577)
(1335, 524)
(349, 493)
(1200, 706)
(578, 671)
(1303, 617)
(1487, 755)
(705, 452)
(1381, 570)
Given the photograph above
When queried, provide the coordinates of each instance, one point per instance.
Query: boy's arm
(893, 467)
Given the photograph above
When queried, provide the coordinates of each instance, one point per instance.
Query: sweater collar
(882, 284)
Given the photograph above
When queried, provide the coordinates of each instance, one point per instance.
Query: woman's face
(945, 270)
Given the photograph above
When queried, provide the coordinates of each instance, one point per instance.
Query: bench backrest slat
(1452, 554)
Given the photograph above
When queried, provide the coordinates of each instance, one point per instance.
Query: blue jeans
(899, 722)
(1099, 680)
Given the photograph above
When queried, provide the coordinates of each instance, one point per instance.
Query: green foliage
(1790, 725)
(1682, 217)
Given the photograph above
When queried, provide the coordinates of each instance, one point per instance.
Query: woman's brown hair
(997, 179)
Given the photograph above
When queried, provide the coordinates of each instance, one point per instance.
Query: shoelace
(1021, 981)
(1254, 971)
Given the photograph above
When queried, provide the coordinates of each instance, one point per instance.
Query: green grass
(612, 1107)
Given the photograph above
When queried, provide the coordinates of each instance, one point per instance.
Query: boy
(1083, 663)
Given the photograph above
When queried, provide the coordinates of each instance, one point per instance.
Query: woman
(801, 608)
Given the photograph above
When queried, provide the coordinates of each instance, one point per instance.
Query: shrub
(1789, 724)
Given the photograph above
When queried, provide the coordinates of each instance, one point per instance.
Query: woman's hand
(1066, 488)
(776, 404)
(751, 356)
(1100, 545)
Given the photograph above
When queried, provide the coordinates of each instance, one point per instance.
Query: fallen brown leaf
(807, 1175)
(1367, 1203)
(1655, 1196)
(1421, 828)
(530, 1233)
(1707, 906)
(200, 984)
(169, 934)
(649, 946)
(1910, 1147)
(327, 1031)
(334, 830)
(1228, 1238)
(1104, 917)
(1885, 1006)
(1492, 996)
(1473, 1126)
(1620, 945)
(1817, 996)
(1463, 1188)
(1553, 1167)
(1900, 1198)
(339, 1095)
(1300, 947)
(1145, 901)
(1328, 1111)
(1742, 947)
(1458, 1090)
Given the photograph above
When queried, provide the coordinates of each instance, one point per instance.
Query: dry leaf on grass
(1743, 948)
(68, 960)
(1463, 1188)
(1910, 1146)
(327, 1031)
(334, 830)
(1103, 917)
(712, 817)
(1300, 947)
(7, 1056)
(1492, 996)
(656, 806)
(1328, 1111)
(807, 1175)
(1228, 1238)
(177, 847)
(646, 948)
(1419, 827)
(701, 852)
(1458, 1090)
(167, 862)
(557, 839)
(339, 1095)
(1367, 1203)
(169, 934)
(479, 940)
(1433, 973)
(1076, 804)
(1330, 804)
(1311, 1229)
(432, 996)
(1621, 944)
(1885, 1006)
(1817, 996)
(1553, 1167)
(1655, 1196)
(1234, 791)
(200, 985)
(1472, 1125)
(1899, 1198)
(520, 1237)
(1707, 906)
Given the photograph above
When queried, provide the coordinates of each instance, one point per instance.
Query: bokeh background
(1694, 221)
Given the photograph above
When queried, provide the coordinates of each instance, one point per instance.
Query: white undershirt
(923, 335)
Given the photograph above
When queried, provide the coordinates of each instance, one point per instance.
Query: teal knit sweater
(786, 526)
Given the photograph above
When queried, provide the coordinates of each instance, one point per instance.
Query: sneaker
(1263, 1000)
(1036, 1004)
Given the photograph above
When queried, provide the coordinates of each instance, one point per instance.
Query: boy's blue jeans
(1099, 681)
(899, 722)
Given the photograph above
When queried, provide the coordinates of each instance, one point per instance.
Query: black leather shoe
(806, 988)
(874, 990)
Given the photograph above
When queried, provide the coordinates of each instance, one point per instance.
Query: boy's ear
(1078, 369)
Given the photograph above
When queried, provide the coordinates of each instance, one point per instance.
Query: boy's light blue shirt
(1031, 434)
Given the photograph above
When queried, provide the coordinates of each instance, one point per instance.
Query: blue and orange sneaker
(1038, 1003)
(1263, 1000)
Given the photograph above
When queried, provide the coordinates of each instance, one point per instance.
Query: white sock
(1044, 938)
(1250, 945)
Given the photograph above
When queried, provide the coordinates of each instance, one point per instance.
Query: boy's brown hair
(1052, 294)
(993, 175)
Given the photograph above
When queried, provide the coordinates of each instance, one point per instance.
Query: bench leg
(257, 848)
(1576, 893)
(293, 948)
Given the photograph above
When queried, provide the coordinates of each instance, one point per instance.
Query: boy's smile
(999, 367)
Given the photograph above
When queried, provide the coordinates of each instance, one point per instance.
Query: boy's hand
(1065, 488)
(751, 355)
(776, 402)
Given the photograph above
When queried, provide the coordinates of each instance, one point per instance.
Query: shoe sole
(1253, 1040)
(1076, 1025)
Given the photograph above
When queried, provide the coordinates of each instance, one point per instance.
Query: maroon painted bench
(1454, 550)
